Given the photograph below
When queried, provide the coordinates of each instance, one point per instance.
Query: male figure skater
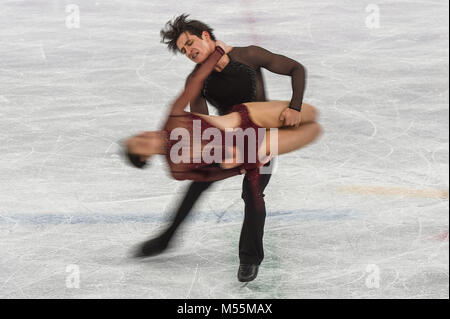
(237, 79)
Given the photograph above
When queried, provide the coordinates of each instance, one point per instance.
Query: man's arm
(280, 64)
(283, 65)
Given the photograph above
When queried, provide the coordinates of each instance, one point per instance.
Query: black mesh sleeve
(258, 57)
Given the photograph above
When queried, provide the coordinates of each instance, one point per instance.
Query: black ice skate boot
(247, 273)
(152, 247)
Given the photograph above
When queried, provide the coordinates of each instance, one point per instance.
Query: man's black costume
(238, 82)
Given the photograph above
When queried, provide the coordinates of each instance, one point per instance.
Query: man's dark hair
(173, 30)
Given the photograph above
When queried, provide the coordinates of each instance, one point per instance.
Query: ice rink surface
(362, 213)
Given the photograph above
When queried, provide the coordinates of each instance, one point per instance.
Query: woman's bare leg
(290, 139)
(267, 114)
(264, 114)
(230, 120)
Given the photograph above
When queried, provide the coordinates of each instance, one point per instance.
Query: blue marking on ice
(216, 217)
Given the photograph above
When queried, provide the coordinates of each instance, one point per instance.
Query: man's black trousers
(251, 240)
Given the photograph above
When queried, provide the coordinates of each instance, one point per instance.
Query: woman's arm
(198, 105)
(207, 174)
(195, 82)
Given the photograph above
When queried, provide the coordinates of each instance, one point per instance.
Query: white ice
(362, 213)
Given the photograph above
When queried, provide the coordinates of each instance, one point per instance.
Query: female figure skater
(255, 115)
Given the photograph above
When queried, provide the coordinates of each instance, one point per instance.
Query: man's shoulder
(248, 52)
(251, 46)
(246, 49)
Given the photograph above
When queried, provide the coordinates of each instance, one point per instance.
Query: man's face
(195, 48)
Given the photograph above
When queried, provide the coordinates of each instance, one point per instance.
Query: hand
(291, 117)
(225, 47)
